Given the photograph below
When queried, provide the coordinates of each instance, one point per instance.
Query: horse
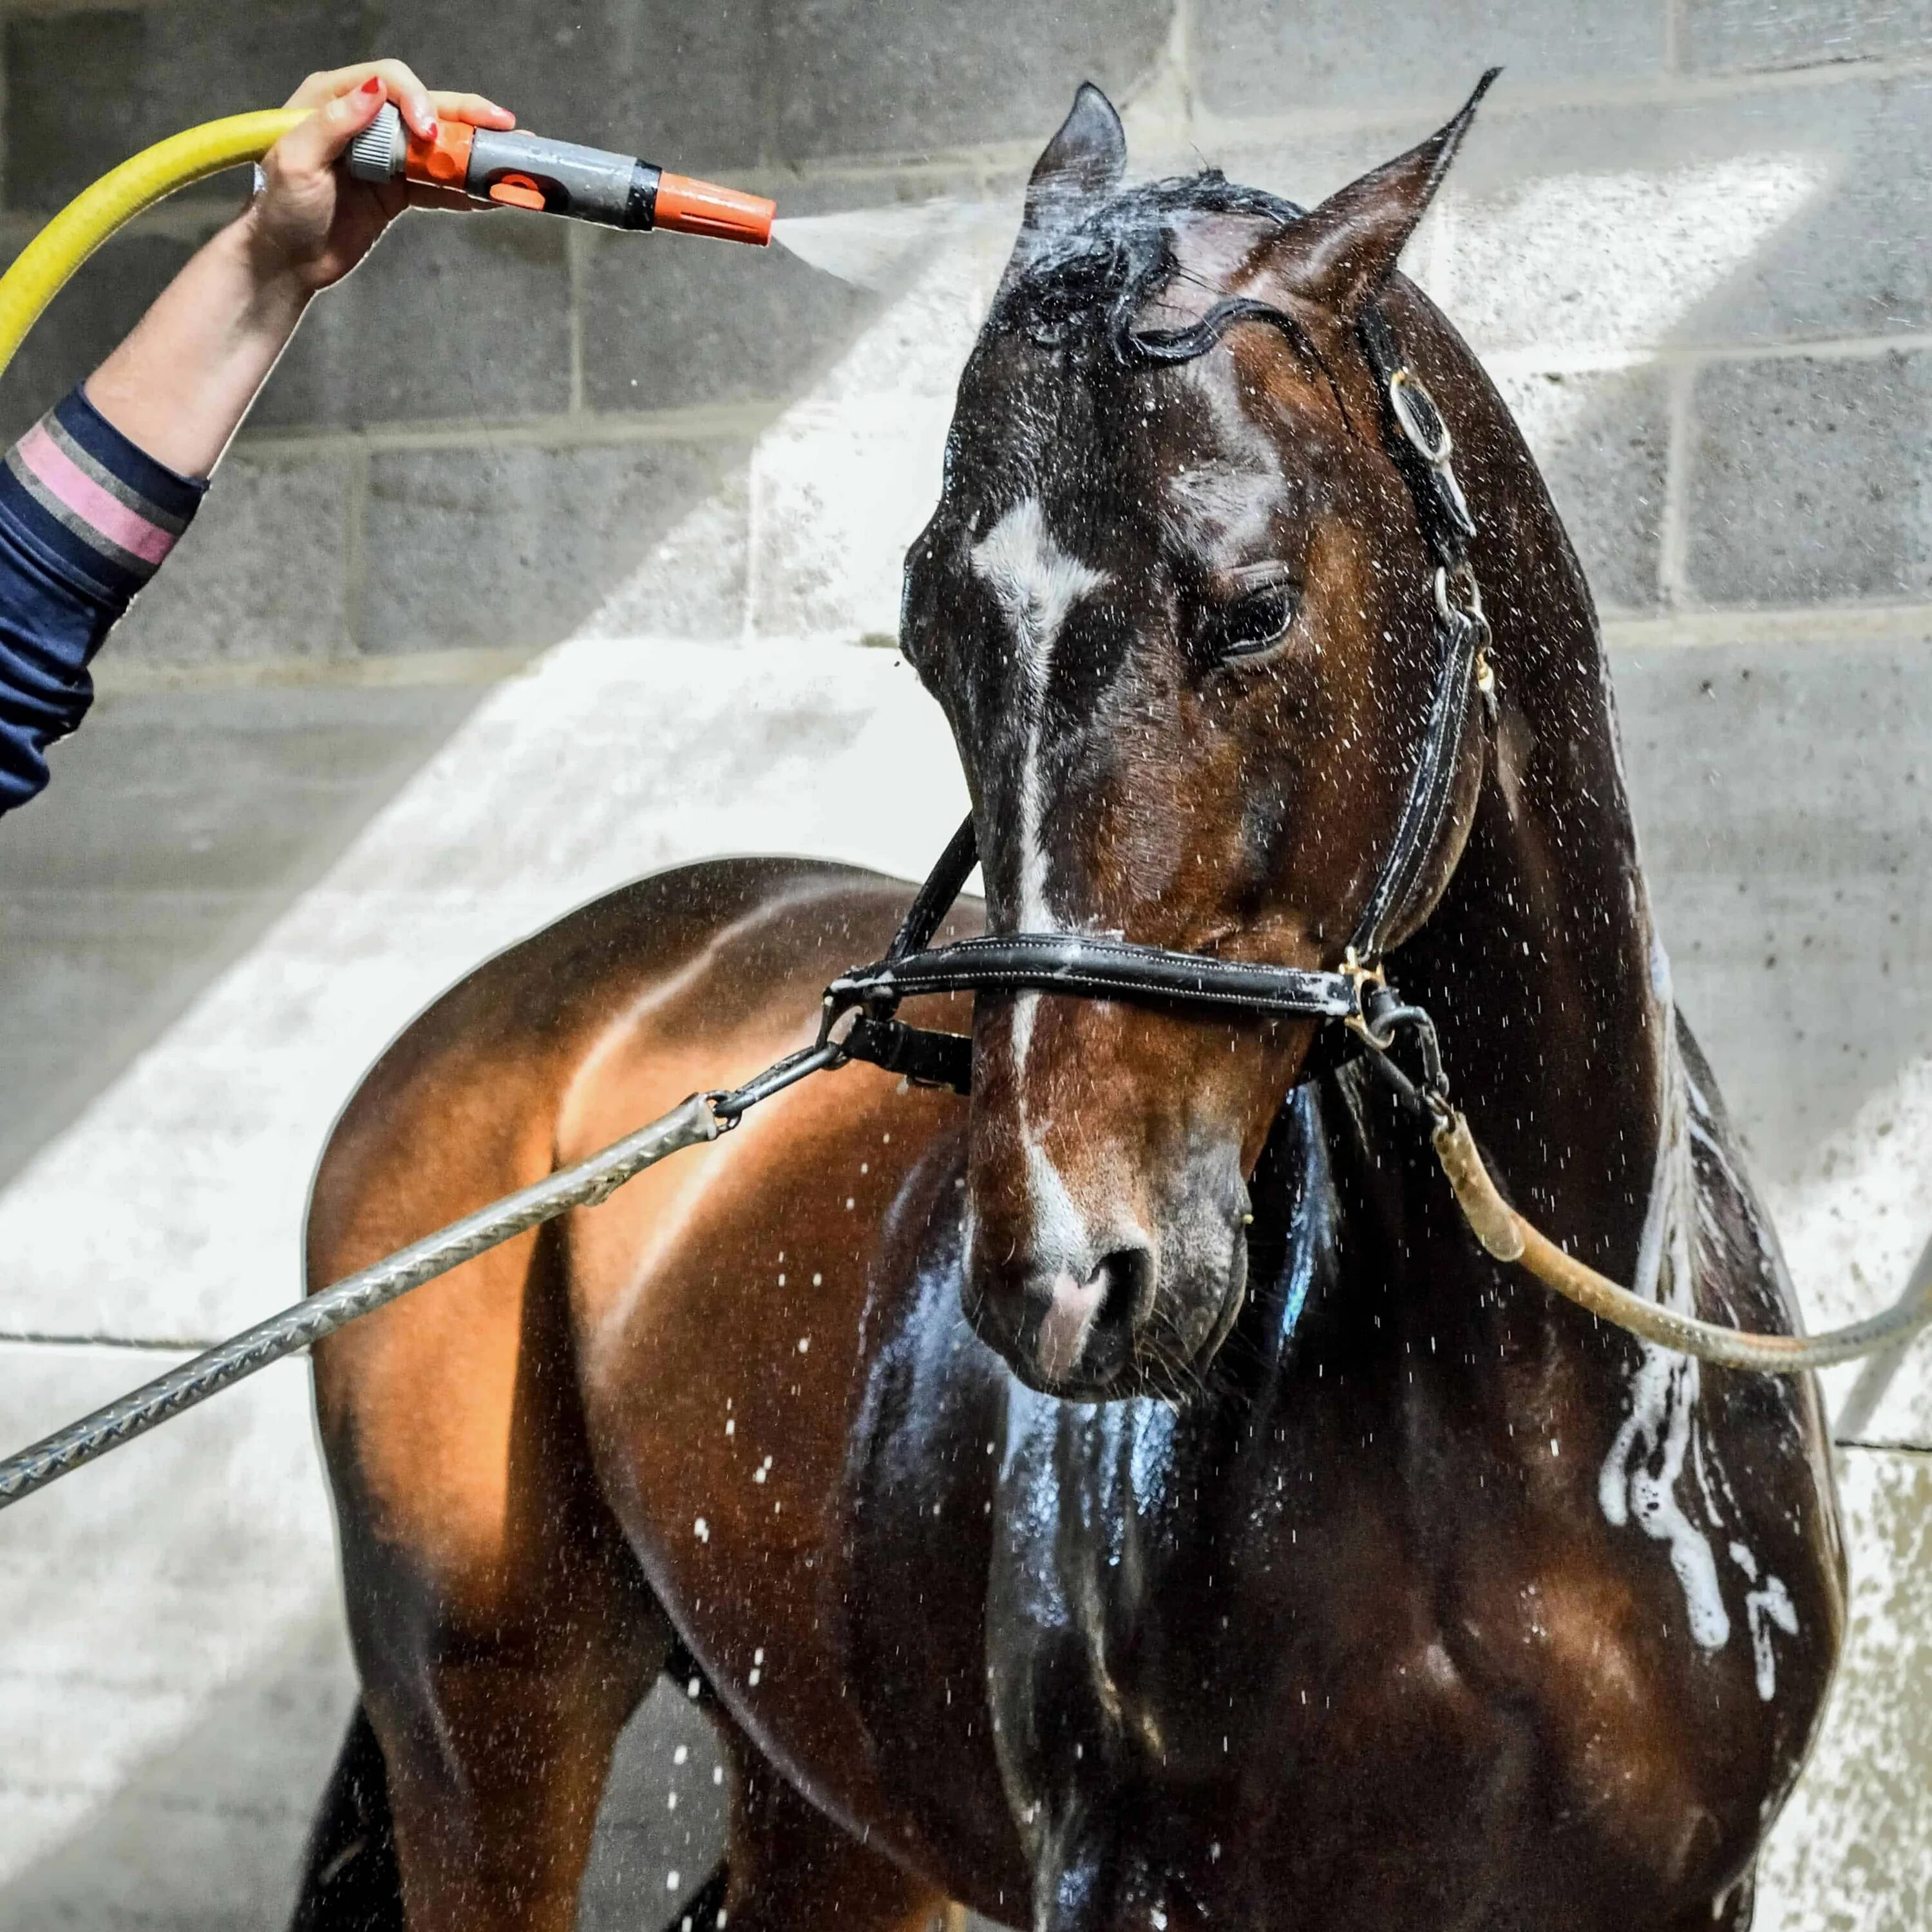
(1127, 1496)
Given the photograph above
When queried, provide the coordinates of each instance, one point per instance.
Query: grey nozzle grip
(589, 183)
(381, 151)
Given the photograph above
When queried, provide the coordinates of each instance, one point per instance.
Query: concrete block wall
(1733, 406)
(540, 564)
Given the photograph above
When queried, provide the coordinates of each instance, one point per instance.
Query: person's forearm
(181, 384)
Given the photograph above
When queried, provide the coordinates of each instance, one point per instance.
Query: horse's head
(1179, 613)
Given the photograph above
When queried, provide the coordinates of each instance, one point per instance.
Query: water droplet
(753, 1679)
(701, 1530)
(679, 1756)
(804, 1343)
(672, 1881)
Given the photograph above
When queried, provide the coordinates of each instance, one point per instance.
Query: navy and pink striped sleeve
(86, 517)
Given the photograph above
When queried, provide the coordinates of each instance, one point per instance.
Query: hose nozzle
(519, 170)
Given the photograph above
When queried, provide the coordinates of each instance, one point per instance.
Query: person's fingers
(325, 84)
(399, 82)
(327, 133)
(473, 108)
(410, 96)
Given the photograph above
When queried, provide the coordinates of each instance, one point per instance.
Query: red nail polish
(372, 86)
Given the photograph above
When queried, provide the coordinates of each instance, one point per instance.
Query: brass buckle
(1361, 978)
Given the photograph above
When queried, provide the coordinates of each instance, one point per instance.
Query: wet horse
(1129, 1497)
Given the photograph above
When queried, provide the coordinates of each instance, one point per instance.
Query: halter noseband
(1115, 969)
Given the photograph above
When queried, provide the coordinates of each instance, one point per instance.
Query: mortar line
(1673, 540)
(138, 1344)
(576, 241)
(720, 423)
(1535, 361)
(355, 562)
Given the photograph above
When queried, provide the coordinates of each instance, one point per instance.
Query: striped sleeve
(85, 519)
(95, 504)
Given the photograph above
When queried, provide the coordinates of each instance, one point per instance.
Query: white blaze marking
(1036, 584)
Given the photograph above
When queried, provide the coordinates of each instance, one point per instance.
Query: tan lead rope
(1508, 1236)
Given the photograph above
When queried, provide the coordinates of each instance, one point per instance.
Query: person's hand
(312, 222)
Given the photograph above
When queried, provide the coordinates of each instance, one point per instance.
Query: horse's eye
(1253, 624)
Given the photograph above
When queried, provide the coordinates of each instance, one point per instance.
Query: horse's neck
(1552, 996)
(1541, 966)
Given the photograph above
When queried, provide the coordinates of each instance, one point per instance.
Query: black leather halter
(1114, 969)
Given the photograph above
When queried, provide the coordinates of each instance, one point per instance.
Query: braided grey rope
(702, 1117)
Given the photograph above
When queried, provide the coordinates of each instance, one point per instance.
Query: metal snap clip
(1468, 603)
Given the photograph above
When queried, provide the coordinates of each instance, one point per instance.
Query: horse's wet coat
(1392, 1592)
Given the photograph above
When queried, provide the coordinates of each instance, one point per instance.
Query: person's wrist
(280, 286)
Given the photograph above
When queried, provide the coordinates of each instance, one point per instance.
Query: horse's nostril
(1127, 1274)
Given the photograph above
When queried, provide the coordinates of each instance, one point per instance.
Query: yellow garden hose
(42, 268)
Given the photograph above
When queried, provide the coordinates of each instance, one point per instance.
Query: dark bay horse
(1254, 1552)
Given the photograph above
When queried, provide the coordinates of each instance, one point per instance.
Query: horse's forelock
(1098, 272)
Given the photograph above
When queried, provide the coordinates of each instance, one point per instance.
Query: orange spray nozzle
(517, 169)
(703, 207)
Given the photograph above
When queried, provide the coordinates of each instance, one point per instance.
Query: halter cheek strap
(1114, 969)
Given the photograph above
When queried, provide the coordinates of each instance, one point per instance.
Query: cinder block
(670, 323)
(85, 979)
(84, 322)
(220, 790)
(202, 58)
(262, 572)
(87, 89)
(1806, 483)
(678, 84)
(912, 76)
(453, 316)
(1734, 34)
(1781, 796)
(1600, 439)
(67, 101)
(1798, 213)
(175, 1669)
(1281, 56)
(521, 545)
(1847, 1851)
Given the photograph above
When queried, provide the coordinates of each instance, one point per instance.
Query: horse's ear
(1085, 160)
(1340, 254)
